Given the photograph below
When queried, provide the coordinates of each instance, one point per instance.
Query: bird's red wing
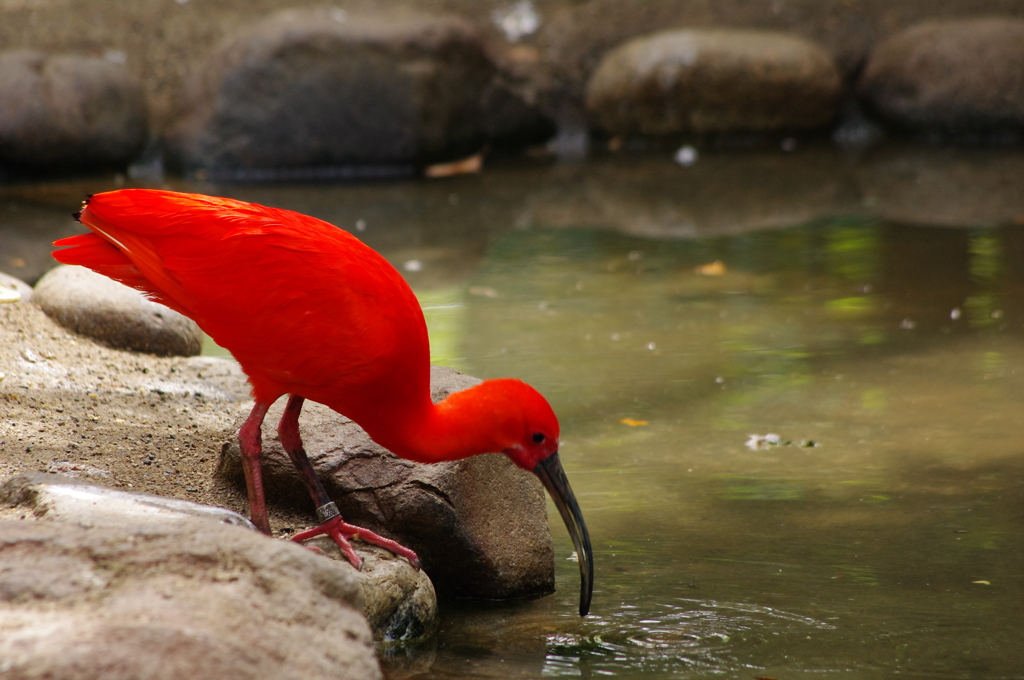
(158, 241)
(299, 302)
(96, 253)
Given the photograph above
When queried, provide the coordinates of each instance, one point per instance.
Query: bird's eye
(538, 437)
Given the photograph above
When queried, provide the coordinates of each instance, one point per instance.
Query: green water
(883, 539)
(867, 310)
(892, 545)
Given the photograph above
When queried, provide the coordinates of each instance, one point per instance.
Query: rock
(13, 289)
(478, 525)
(63, 499)
(398, 600)
(713, 81)
(199, 601)
(121, 317)
(957, 76)
(329, 88)
(68, 110)
(510, 111)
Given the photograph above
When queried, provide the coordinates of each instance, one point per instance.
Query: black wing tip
(85, 204)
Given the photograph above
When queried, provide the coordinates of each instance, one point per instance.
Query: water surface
(881, 536)
(869, 311)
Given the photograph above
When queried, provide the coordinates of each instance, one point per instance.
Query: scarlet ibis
(310, 311)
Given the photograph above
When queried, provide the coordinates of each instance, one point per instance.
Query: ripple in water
(693, 635)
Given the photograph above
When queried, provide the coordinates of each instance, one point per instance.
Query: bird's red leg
(250, 438)
(331, 523)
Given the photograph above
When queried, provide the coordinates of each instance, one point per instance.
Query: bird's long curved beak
(553, 476)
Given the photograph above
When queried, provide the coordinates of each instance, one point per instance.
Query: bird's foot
(341, 533)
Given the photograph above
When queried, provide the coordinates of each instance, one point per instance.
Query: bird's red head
(508, 416)
(530, 430)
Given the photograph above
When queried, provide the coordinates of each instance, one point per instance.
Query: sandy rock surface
(134, 421)
(129, 421)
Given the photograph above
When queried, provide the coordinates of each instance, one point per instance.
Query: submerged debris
(759, 442)
(716, 268)
(464, 166)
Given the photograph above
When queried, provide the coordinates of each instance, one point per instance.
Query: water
(884, 537)
(867, 310)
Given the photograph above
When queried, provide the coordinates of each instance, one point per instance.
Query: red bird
(310, 311)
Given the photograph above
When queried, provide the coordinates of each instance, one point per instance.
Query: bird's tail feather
(98, 252)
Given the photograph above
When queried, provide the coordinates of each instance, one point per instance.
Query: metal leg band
(327, 511)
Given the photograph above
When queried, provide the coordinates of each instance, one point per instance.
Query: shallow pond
(869, 311)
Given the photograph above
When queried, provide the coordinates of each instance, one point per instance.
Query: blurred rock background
(387, 87)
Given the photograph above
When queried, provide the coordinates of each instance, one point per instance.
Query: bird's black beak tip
(553, 477)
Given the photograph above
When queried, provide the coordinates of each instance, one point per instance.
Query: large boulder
(195, 600)
(329, 88)
(397, 599)
(68, 110)
(714, 81)
(478, 525)
(955, 76)
(120, 317)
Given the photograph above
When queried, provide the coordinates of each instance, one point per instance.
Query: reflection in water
(836, 316)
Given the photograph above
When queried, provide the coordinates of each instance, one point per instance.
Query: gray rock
(510, 111)
(956, 76)
(13, 289)
(58, 498)
(398, 600)
(329, 88)
(68, 110)
(478, 525)
(713, 81)
(201, 600)
(120, 317)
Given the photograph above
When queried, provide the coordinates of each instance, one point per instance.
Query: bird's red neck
(467, 423)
